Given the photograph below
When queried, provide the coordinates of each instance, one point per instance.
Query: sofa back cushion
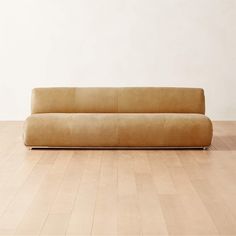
(118, 100)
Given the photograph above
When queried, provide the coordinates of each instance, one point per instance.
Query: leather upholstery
(118, 100)
(121, 130)
(118, 117)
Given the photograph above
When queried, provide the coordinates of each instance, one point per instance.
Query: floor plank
(81, 220)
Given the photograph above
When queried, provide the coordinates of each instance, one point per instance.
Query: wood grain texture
(118, 192)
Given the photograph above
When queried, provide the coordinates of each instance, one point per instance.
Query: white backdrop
(190, 43)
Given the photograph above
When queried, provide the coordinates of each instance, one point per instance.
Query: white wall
(189, 43)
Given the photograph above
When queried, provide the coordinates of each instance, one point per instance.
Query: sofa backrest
(118, 100)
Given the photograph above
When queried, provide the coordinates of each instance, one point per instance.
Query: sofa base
(118, 130)
(117, 148)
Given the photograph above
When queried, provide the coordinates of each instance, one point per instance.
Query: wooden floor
(126, 193)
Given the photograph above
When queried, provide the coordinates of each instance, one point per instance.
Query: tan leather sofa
(118, 117)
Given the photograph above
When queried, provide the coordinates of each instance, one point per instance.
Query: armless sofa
(139, 117)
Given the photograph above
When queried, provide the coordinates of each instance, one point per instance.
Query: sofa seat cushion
(118, 130)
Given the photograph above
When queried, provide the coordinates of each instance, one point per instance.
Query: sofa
(129, 117)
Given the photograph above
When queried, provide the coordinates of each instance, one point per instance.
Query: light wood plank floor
(125, 192)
